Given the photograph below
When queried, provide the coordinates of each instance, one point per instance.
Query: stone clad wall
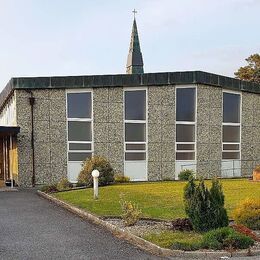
(50, 138)
(108, 125)
(161, 132)
(209, 130)
(250, 136)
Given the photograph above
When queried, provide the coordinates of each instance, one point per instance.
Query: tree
(251, 72)
(205, 208)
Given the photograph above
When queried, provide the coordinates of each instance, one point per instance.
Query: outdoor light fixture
(95, 175)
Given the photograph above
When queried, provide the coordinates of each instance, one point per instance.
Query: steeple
(134, 60)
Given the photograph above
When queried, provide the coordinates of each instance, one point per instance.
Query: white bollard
(95, 175)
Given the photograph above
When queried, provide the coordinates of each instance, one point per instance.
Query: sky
(84, 37)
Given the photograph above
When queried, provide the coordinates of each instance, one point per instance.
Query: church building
(150, 126)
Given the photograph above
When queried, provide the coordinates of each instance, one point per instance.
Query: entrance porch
(8, 155)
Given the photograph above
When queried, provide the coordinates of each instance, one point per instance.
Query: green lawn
(163, 200)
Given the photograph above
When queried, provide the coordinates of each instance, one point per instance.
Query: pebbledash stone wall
(209, 131)
(161, 132)
(108, 124)
(49, 136)
(250, 135)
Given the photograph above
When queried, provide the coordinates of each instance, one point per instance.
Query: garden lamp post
(95, 175)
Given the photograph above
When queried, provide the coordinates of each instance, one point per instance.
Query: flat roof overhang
(9, 130)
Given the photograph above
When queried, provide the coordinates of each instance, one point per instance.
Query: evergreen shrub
(225, 238)
(185, 174)
(64, 184)
(205, 208)
(106, 172)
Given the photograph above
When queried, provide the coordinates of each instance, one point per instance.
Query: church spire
(134, 60)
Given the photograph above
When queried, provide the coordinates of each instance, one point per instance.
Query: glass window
(79, 105)
(231, 108)
(79, 131)
(135, 105)
(79, 157)
(135, 146)
(185, 146)
(135, 156)
(185, 156)
(134, 132)
(78, 146)
(185, 104)
(230, 146)
(231, 134)
(185, 133)
(230, 155)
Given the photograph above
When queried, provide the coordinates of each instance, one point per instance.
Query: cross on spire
(134, 12)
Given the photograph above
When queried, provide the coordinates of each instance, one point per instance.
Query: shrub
(49, 188)
(205, 208)
(120, 178)
(247, 213)
(186, 174)
(182, 224)
(226, 237)
(257, 168)
(186, 246)
(102, 165)
(64, 184)
(131, 213)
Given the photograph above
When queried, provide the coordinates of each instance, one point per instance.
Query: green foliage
(186, 174)
(248, 213)
(49, 188)
(225, 238)
(251, 72)
(64, 184)
(130, 212)
(101, 164)
(205, 208)
(187, 241)
(120, 178)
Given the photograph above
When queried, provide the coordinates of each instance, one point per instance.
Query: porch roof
(9, 130)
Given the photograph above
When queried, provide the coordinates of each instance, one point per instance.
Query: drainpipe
(32, 101)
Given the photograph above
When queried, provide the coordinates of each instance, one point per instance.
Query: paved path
(33, 228)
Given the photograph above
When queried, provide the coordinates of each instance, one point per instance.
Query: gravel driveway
(33, 228)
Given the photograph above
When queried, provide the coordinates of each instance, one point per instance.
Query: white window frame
(231, 124)
(194, 123)
(91, 120)
(137, 122)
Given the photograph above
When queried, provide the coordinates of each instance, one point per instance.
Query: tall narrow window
(135, 125)
(79, 119)
(185, 123)
(231, 126)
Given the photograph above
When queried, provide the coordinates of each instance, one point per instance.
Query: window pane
(185, 156)
(231, 134)
(135, 156)
(185, 133)
(185, 146)
(135, 105)
(231, 108)
(231, 147)
(135, 132)
(79, 105)
(231, 155)
(185, 104)
(79, 146)
(135, 146)
(79, 157)
(79, 131)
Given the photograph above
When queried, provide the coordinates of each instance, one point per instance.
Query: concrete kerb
(140, 242)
